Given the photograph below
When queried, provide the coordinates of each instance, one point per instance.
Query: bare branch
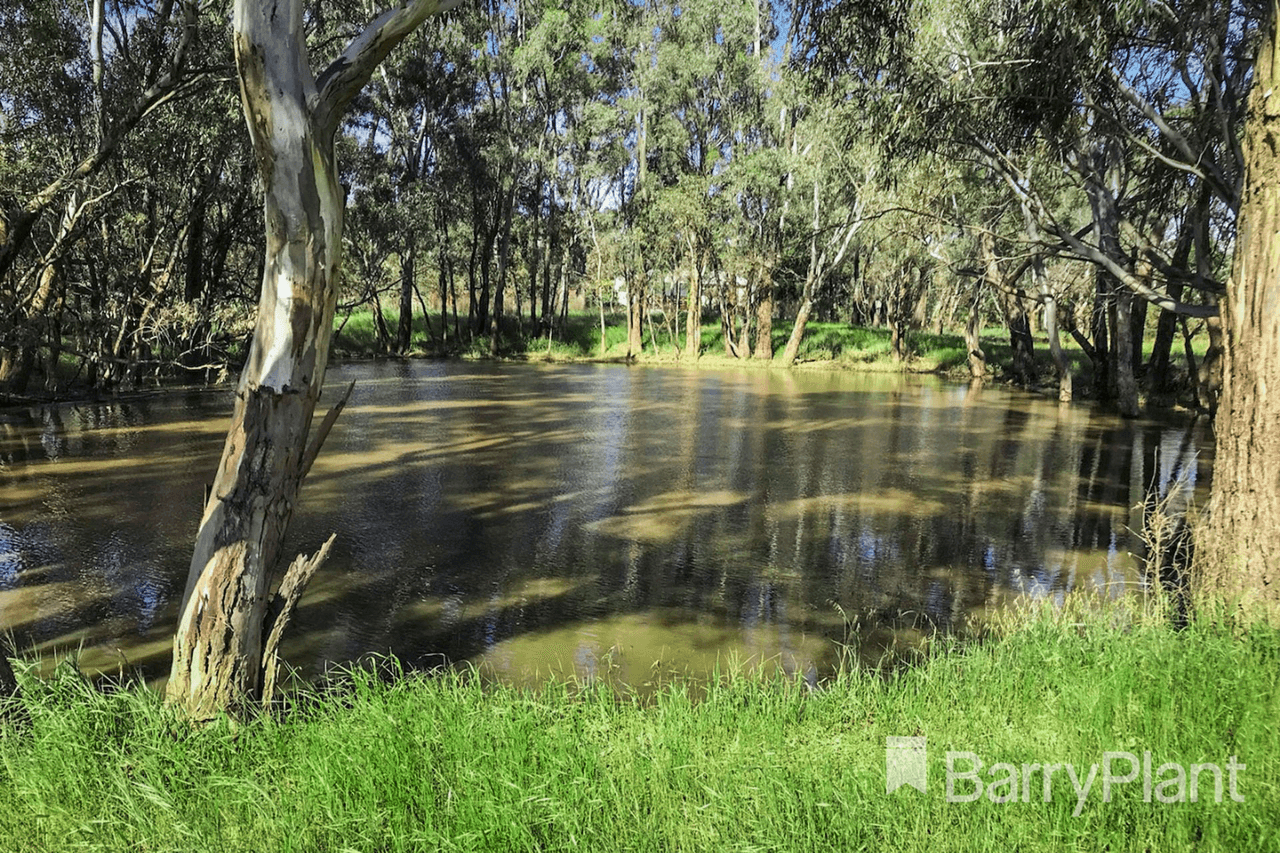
(323, 432)
(281, 609)
(24, 219)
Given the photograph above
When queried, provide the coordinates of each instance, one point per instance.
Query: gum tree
(1239, 547)
(1162, 82)
(78, 81)
(230, 624)
(834, 183)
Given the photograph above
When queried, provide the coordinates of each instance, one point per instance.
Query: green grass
(835, 345)
(445, 763)
(846, 345)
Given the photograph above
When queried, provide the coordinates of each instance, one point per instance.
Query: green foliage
(140, 251)
(740, 145)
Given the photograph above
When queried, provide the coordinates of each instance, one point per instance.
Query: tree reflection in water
(594, 520)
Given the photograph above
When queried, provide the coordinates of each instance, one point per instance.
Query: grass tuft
(751, 762)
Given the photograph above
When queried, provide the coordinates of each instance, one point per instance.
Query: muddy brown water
(584, 521)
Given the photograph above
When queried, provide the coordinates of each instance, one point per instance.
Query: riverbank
(444, 763)
(825, 346)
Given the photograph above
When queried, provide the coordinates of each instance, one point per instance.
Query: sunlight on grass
(759, 762)
(826, 345)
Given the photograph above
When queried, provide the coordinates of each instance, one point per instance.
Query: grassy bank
(443, 763)
(827, 345)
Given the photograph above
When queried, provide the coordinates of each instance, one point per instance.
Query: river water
(587, 521)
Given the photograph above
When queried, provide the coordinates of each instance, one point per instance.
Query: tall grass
(752, 763)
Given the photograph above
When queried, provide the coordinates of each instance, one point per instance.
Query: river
(596, 521)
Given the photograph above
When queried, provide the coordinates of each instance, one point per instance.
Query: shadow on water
(592, 521)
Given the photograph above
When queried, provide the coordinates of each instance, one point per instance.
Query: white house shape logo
(904, 763)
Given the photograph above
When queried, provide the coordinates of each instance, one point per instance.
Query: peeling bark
(218, 660)
(1238, 551)
(283, 604)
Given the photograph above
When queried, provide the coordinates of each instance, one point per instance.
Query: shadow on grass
(578, 338)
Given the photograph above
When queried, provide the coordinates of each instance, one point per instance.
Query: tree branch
(1212, 174)
(280, 612)
(347, 74)
(1088, 252)
(23, 220)
(323, 432)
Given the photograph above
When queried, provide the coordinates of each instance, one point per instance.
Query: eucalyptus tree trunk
(1122, 356)
(1060, 364)
(792, 349)
(764, 318)
(538, 258)
(693, 316)
(636, 310)
(1103, 288)
(821, 262)
(404, 323)
(1050, 300)
(34, 320)
(898, 312)
(16, 365)
(1238, 551)
(504, 255)
(230, 625)
(816, 260)
(1014, 308)
(744, 335)
(1018, 320)
(1158, 367)
(1103, 190)
(728, 327)
(973, 341)
(18, 360)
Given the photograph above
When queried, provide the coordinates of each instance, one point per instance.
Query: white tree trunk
(233, 598)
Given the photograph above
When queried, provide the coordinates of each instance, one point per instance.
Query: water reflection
(595, 520)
